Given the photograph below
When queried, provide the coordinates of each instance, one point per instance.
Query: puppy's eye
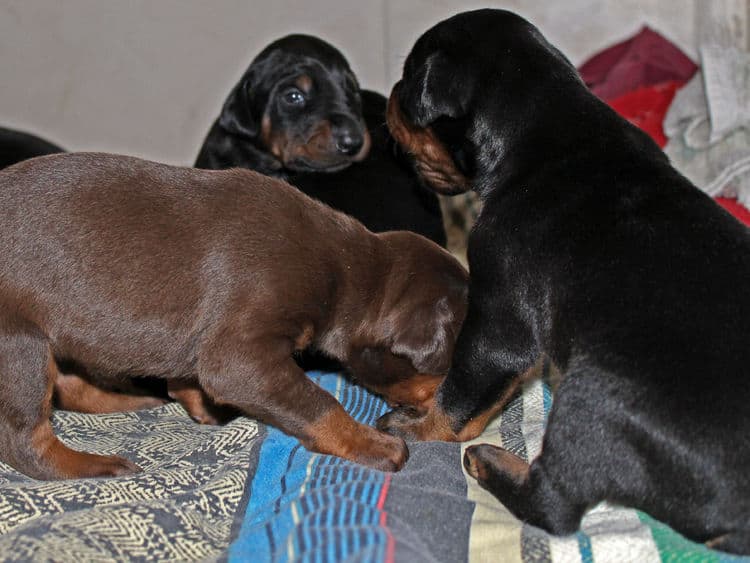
(293, 97)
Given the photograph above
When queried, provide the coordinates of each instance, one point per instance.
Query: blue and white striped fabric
(312, 507)
(246, 492)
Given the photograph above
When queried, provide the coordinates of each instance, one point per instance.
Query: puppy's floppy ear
(440, 90)
(427, 338)
(237, 113)
(244, 107)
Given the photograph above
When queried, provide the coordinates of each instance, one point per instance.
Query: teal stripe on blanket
(312, 507)
(297, 511)
(675, 548)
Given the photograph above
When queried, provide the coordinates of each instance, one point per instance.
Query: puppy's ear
(245, 106)
(238, 113)
(440, 90)
(427, 337)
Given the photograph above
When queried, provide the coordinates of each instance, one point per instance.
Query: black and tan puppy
(297, 108)
(298, 114)
(122, 267)
(592, 250)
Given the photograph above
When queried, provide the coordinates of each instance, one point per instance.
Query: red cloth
(643, 60)
(638, 78)
(645, 107)
(736, 209)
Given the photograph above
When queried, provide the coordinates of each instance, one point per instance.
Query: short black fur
(593, 251)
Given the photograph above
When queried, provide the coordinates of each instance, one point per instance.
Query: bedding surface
(247, 492)
(182, 507)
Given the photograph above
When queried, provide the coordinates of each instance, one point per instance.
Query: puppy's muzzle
(350, 137)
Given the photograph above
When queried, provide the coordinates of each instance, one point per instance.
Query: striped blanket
(244, 492)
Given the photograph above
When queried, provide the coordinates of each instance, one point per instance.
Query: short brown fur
(211, 278)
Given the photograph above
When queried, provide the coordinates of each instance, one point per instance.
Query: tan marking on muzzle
(275, 143)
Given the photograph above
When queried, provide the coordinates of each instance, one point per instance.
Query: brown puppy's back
(118, 266)
(161, 251)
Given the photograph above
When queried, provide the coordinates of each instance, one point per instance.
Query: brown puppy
(119, 266)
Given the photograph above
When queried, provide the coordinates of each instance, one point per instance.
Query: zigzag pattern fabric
(181, 508)
(244, 492)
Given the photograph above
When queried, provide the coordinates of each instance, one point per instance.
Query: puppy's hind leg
(583, 460)
(197, 404)
(27, 442)
(74, 393)
(523, 491)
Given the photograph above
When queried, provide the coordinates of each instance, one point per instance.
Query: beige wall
(147, 77)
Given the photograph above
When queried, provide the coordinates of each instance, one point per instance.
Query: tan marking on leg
(55, 460)
(476, 425)
(714, 542)
(482, 460)
(437, 425)
(196, 402)
(337, 433)
(513, 465)
(74, 393)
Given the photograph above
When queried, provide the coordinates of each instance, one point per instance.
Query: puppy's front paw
(476, 460)
(386, 453)
(112, 466)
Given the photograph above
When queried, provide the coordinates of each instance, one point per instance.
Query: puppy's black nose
(349, 140)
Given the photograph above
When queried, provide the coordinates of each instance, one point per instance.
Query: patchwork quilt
(247, 492)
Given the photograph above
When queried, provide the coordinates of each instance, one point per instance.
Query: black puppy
(16, 146)
(298, 114)
(591, 250)
(296, 108)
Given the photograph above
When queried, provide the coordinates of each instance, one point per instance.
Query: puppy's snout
(348, 135)
(349, 141)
